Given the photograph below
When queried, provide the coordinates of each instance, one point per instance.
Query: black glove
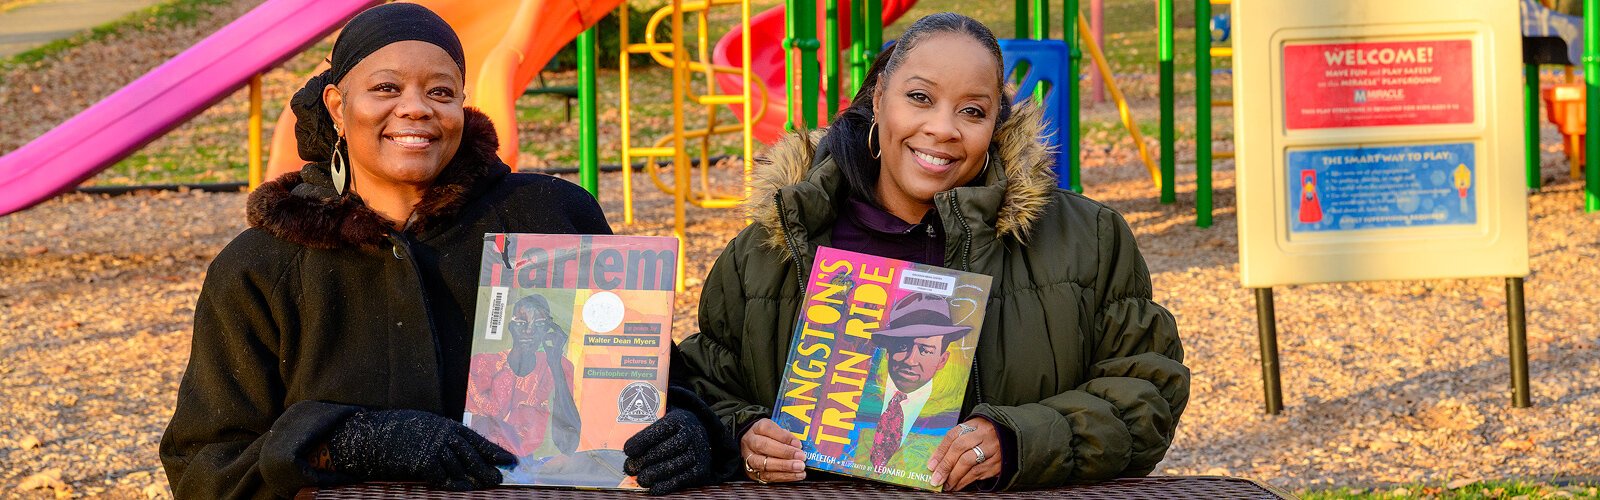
(416, 445)
(686, 448)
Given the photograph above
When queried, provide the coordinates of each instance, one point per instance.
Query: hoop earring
(872, 133)
(339, 169)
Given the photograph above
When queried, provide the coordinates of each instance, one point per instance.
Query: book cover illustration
(879, 364)
(569, 352)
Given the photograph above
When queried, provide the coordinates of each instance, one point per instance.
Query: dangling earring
(338, 167)
(872, 133)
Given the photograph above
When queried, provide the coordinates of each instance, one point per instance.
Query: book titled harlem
(879, 364)
(569, 352)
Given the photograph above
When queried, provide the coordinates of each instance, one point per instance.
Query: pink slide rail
(767, 63)
(166, 97)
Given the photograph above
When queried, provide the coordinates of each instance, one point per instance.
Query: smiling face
(400, 112)
(936, 115)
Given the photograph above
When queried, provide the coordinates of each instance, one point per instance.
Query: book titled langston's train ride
(569, 352)
(879, 363)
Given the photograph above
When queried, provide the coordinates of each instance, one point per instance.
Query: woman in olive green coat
(1078, 374)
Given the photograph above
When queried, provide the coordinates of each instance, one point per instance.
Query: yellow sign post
(1378, 140)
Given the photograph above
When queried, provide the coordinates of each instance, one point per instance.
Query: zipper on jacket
(966, 265)
(794, 248)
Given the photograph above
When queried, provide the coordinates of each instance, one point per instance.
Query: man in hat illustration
(916, 340)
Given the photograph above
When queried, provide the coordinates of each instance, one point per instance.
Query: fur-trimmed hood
(1025, 177)
(302, 207)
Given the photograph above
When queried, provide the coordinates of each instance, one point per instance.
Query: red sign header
(1340, 85)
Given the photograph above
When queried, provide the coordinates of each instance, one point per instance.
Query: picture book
(879, 363)
(569, 352)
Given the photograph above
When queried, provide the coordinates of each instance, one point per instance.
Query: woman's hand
(969, 453)
(416, 445)
(771, 454)
(686, 448)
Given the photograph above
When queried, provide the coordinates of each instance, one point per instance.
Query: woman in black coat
(331, 338)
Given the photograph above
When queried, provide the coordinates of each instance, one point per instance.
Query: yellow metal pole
(1122, 104)
(744, 74)
(627, 140)
(703, 41)
(255, 132)
(680, 157)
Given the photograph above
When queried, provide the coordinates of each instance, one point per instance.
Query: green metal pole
(1202, 114)
(801, 26)
(874, 27)
(830, 55)
(1039, 29)
(858, 45)
(1530, 123)
(1591, 80)
(1169, 150)
(1069, 33)
(1039, 22)
(1022, 19)
(588, 125)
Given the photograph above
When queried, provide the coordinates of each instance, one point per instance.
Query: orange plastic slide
(507, 42)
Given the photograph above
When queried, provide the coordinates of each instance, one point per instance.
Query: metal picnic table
(1160, 487)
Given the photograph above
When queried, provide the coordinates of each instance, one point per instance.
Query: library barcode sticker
(936, 284)
(497, 313)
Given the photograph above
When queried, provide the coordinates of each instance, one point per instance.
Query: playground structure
(674, 55)
(503, 52)
(504, 56)
(819, 40)
(166, 97)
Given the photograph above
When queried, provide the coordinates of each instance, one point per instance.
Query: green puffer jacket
(1074, 357)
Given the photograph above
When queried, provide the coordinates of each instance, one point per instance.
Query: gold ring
(764, 459)
(747, 467)
(758, 478)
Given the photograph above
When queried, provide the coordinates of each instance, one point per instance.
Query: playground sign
(1370, 188)
(1378, 140)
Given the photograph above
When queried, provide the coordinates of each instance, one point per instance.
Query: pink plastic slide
(506, 43)
(166, 97)
(767, 56)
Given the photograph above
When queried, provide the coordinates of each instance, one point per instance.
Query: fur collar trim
(302, 207)
(1027, 176)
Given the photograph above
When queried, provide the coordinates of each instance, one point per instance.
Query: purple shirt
(865, 228)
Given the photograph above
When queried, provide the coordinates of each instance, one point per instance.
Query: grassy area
(172, 13)
(1485, 489)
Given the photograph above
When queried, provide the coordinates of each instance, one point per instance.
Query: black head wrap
(372, 29)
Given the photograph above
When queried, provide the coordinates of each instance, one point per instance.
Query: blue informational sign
(1353, 189)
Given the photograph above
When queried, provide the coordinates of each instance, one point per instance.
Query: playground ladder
(675, 55)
